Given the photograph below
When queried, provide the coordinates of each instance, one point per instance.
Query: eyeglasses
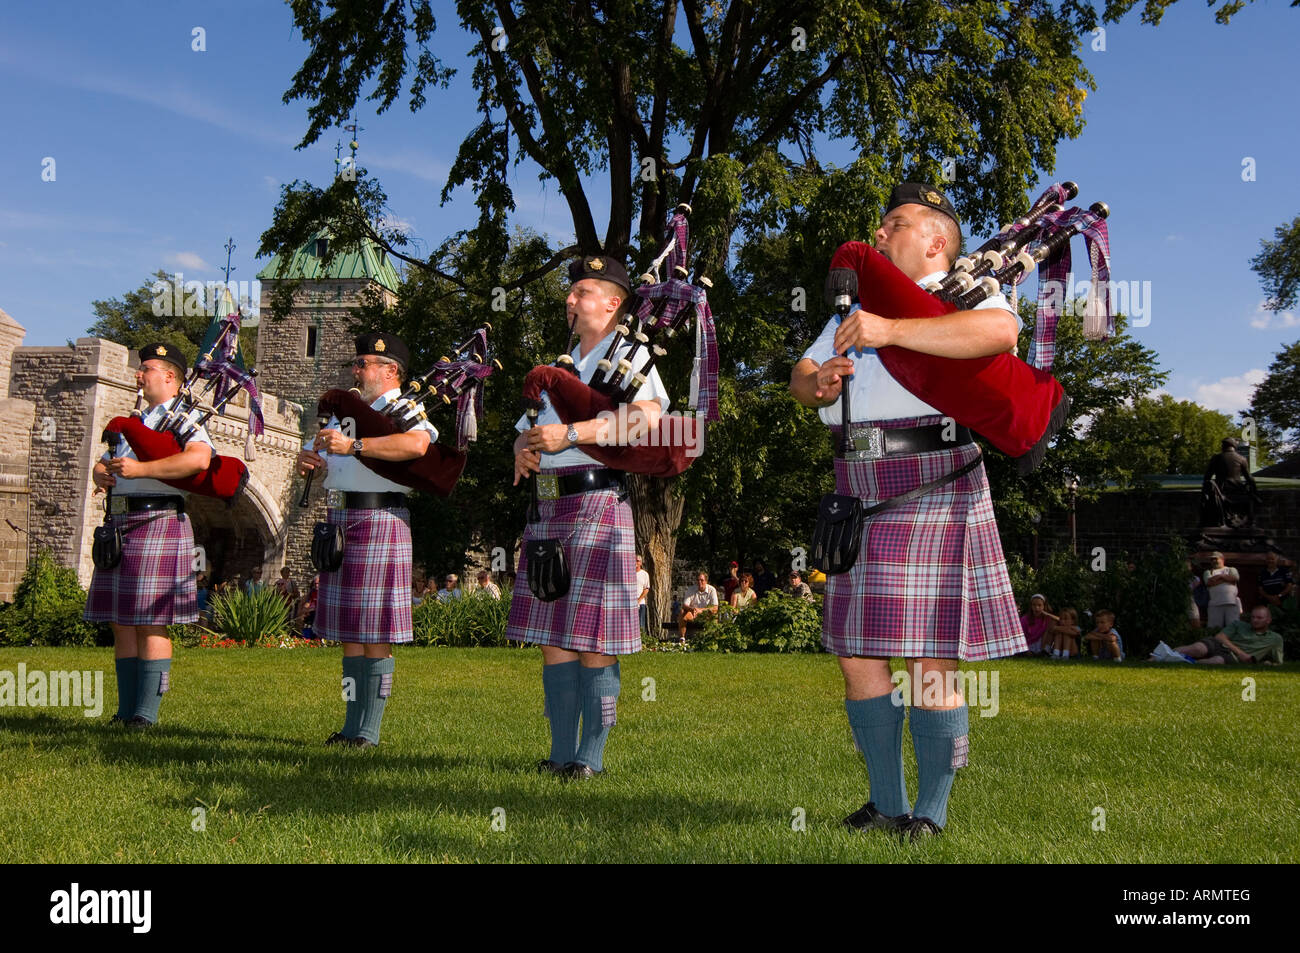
(361, 363)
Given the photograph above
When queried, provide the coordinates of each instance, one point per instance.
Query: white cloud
(271, 182)
(396, 222)
(188, 260)
(1230, 394)
(1264, 320)
(412, 163)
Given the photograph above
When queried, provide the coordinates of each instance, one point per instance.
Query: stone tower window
(311, 341)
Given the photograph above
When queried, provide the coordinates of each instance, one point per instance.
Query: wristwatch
(356, 448)
(572, 435)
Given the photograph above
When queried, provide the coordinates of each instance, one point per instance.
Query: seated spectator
(1241, 641)
(764, 579)
(797, 587)
(1036, 622)
(732, 581)
(1276, 583)
(1062, 639)
(487, 586)
(1221, 581)
(286, 587)
(1104, 640)
(255, 584)
(703, 601)
(450, 588)
(307, 610)
(744, 594)
(201, 590)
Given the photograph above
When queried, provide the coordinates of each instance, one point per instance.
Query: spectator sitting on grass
(744, 594)
(703, 601)
(797, 587)
(1240, 641)
(732, 582)
(1036, 622)
(1104, 640)
(1062, 639)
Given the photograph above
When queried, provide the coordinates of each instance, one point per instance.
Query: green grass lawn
(714, 769)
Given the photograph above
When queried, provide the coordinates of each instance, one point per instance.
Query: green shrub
(775, 623)
(238, 615)
(48, 607)
(474, 620)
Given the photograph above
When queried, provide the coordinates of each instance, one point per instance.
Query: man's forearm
(963, 334)
(803, 384)
(397, 446)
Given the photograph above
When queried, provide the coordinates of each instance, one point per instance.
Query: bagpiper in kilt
(153, 584)
(365, 602)
(929, 582)
(582, 506)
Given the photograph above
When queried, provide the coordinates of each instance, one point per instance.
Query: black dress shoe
(338, 738)
(360, 743)
(549, 767)
(867, 818)
(918, 828)
(117, 719)
(139, 722)
(577, 771)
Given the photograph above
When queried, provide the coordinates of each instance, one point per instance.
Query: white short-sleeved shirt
(652, 389)
(345, 472)
(146, 487)
(642, 584)
(873, 393)
(702, 600)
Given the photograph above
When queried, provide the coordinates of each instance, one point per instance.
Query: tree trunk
(656, 513)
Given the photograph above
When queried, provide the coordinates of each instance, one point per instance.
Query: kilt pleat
(154, 583)
(368, 598)
(599, 613)
(930, 580)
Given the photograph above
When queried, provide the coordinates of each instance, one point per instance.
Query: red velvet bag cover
(223, 479)
(1000, 397)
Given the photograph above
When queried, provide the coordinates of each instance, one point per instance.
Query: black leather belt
(372, 501)
(873, 443)
(551, 486)
(134, 504)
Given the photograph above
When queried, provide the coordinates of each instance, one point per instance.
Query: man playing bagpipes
(365, 602)
(150, 582)
(578, 547)
(929, 583)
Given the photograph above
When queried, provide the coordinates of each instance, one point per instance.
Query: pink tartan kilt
(154, 582)
(368, 598)
(599, 614)
(930, 580)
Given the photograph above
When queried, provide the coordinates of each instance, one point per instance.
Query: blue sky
(161, 152)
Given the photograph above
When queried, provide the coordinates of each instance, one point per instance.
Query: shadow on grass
(283, 776)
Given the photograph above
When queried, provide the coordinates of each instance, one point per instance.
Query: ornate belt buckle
(868, 443)
(117, 505)
(334, 499)
(548, 486)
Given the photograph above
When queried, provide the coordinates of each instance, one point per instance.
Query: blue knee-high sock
(940, 738)
(377, 686)
(128, 686)
(354, 667)
(877, 725)
(560, 685)
(154, 680)
(599, 688)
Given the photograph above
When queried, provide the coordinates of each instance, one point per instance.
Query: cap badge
(160, 351)
(595, 264)
(379, 346)
(934, 198)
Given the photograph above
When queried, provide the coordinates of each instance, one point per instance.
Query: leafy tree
(1275, 405)
(1161, 435)
(146, 315)
(721, 105)
(1278, 266)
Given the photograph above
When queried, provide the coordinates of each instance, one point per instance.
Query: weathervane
(230, 246)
